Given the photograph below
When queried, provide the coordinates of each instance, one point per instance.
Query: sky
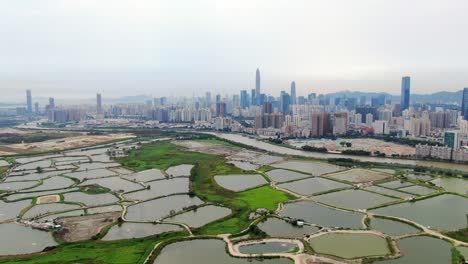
(76, 48)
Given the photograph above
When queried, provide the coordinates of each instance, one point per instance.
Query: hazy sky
(75, 48)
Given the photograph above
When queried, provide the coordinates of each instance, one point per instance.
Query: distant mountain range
(434, 98)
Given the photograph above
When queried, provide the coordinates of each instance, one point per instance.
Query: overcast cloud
(75, 48)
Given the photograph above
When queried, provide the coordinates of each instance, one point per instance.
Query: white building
(381, 127)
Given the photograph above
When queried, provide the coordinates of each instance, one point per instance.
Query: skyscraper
(362, 100)
(208, 99)
(405, 93)
(285, 101)
(257, 86)
(244, 99)
(98, 103)
(29, 101)
(253, 97)
(465, 104)
(293, 93)
(267, 108)
(320, 124)
(51, 103)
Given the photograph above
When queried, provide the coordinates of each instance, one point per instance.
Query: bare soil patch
(81, 228)
(360, 176)
(54, 198)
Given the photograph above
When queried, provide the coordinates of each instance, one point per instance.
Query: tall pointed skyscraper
(293, 93)
(257, 86)
(29, 101)
(405, 93)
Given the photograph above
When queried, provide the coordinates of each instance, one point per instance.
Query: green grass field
(161, 156)
(122, 251)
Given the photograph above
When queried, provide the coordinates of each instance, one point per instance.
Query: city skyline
(73, 48)
(16, 96)
(256, 99)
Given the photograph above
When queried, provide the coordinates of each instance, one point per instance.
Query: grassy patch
(457, 257)
(94, 189)
(161, 156)
(461, 235)
(122, 251)
(2, 171)
(263, 197)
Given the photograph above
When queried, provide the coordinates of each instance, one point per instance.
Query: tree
(39, 169)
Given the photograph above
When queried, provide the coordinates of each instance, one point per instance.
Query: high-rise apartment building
(320, 124)
(51, 103)
(244, 99)
(465, 104)
(293, 93)
(29, 107)
(98, 104)
(405, 93)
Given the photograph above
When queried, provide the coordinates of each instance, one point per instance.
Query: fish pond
(314, 213)
(350, 245)
(268, 248)
(137, 230)
(240, 182)
(314, 168)
(353, 199)
(161, 188)
(313, 185)
(201, 216)
(206, 251)
(145, 211)
(433, 212)
(391, 227)
(422, 250)
(17, 239)
(275, 227)
(281, 175)
(452, 184)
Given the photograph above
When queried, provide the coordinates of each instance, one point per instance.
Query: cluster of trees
(409, 142)
(346, 144)
(11, 138)
(276, 140)
(314, 149)
(379, 154)
(356, 152)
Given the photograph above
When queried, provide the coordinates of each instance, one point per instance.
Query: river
(245, 140)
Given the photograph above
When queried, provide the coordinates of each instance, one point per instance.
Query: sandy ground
(84, 227)
(359, 176)
(54, 198)
(14, 131)
(61, 144)
(204, 147)
(367, 144)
